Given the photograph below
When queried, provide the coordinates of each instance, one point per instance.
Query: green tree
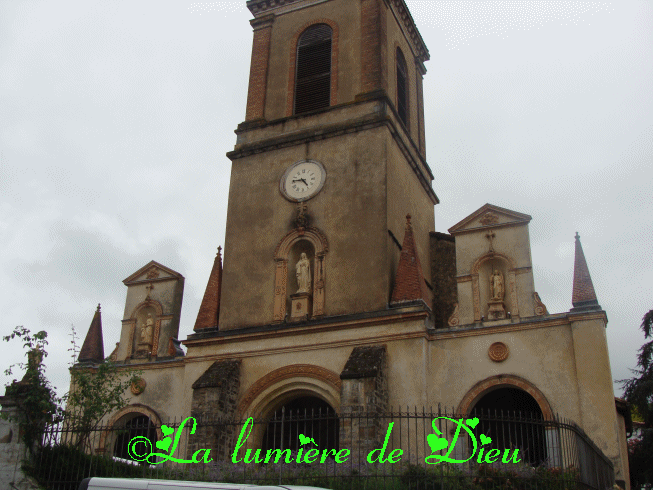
(639, 389)
(639, 392)
(640, 460)
(36, 400)
(96, 390)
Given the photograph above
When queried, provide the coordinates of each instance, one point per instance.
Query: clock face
(303, 180)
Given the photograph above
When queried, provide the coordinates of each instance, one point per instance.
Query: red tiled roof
(583, 287)
(93, 347)
(409, 283)
(207, 317)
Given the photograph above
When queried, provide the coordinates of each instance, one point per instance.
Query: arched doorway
(309, 416)
(513, 420)
(130, 427)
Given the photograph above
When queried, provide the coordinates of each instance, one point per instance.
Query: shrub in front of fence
(62, 467)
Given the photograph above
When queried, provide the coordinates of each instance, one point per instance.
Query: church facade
(334, 286)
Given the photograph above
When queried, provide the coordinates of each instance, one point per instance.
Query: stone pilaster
(258, 73)
(373, 43)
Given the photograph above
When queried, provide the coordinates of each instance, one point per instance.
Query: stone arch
(106, 438)
(293, 62)
(320, 245)
(268, 392)
(511, 265)
(133, 320)
(282, 385)
(503, 381)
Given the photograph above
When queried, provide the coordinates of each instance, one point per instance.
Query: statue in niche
(497, 286)
(147, 329)
(303, 273)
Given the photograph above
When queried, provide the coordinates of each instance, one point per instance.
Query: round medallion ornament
(138, 386)
(302, 180)
(498, 352)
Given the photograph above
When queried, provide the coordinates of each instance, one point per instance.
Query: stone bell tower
(327, 164)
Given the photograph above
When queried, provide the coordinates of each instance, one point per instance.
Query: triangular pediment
(489, 216)
(153, 271)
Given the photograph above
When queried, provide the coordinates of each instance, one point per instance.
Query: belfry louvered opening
(313, 79)
(402, 87)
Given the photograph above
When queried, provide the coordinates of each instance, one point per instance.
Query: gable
(489, 216)
(153, 271)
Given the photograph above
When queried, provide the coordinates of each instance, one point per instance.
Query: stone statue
(147, 330)
(496, 286)
(303, 269)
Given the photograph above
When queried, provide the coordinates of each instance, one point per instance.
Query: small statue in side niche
(497, 286)
(303, 273)
(147, 329)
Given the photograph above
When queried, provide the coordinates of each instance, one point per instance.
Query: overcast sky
(115, 118)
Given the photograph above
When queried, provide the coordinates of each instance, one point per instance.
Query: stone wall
(364, 390)
(214, 401)
(443, 277)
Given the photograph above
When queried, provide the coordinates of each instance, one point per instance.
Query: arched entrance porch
(513, 412)
(291, 396)
(307, 416)
(513, 420)
(127, 423)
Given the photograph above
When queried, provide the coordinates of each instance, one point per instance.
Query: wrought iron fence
(420, 450)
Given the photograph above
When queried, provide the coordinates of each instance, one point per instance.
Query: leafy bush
(63, 467)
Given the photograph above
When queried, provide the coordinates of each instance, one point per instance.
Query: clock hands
(302, 180)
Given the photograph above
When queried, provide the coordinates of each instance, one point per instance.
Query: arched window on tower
(402, 87)
(313, 69)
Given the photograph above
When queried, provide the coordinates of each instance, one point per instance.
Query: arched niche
(138, 318)
(300, 240)
(482, 269)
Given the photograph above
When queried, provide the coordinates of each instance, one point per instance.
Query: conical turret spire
(207, 317)
(93, 347)
(409, 283)
(583, 296)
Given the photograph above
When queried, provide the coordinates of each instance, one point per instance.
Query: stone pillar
(598, 415)
(214, 407)
(363, 400)
(12, 449)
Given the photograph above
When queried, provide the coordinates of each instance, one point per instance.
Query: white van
(144, 484)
